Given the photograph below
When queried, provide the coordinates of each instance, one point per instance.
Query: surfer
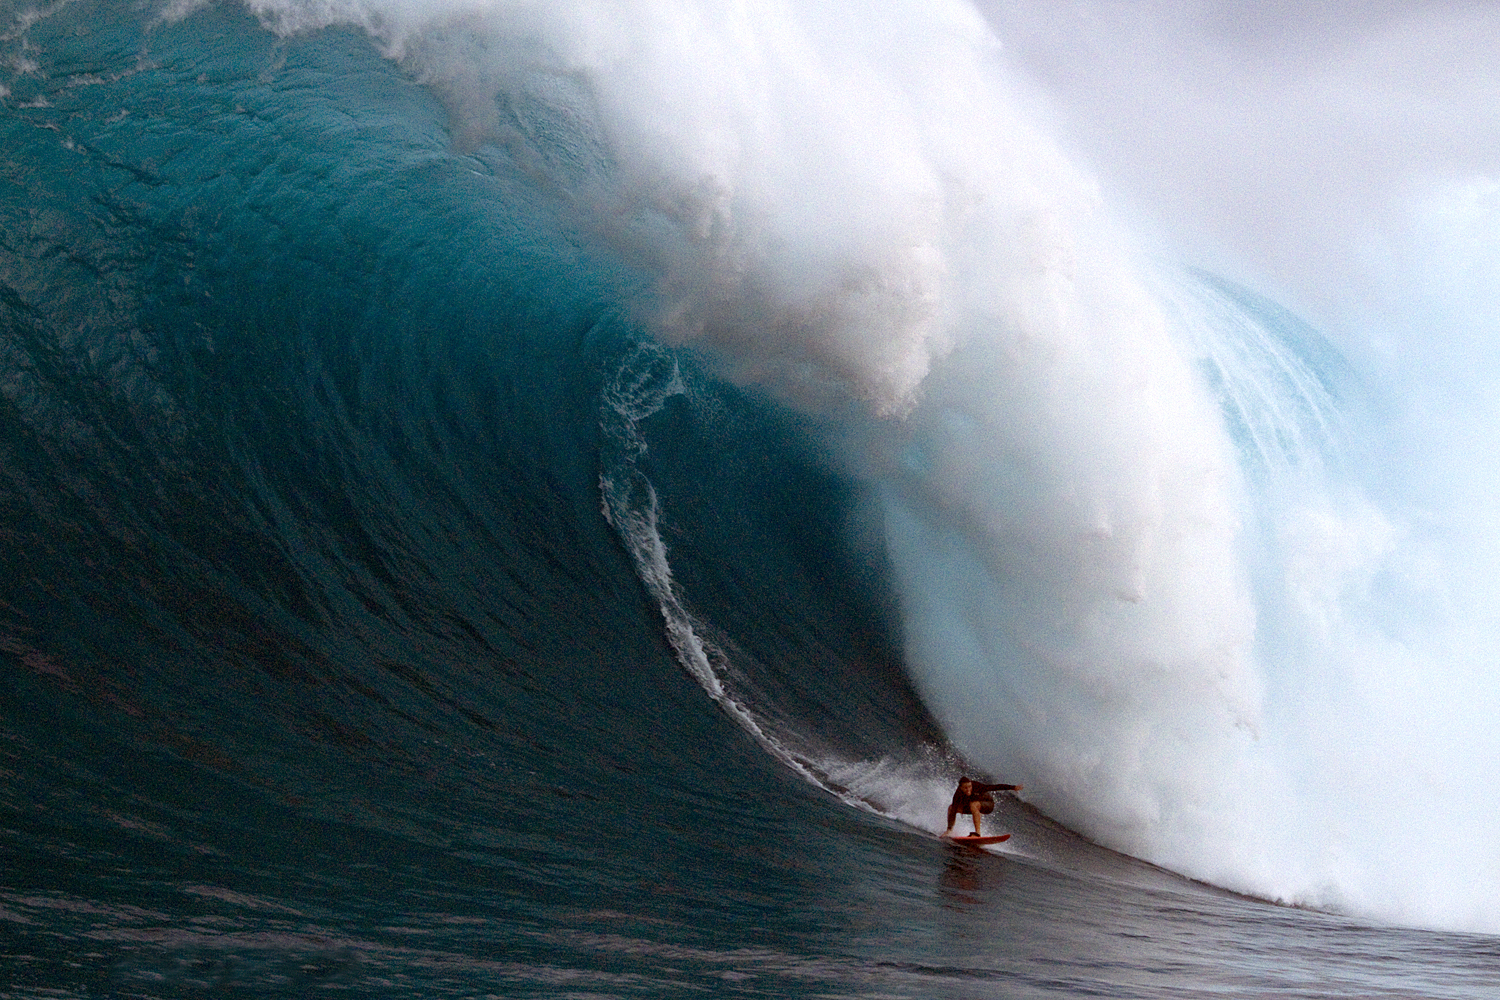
(973, 797)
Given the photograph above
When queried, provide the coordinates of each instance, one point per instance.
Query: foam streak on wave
(647, 377)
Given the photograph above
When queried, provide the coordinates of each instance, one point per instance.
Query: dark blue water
(325, 670)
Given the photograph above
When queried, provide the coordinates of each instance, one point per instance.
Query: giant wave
(1146, 549)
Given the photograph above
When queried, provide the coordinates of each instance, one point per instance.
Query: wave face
(460, 458)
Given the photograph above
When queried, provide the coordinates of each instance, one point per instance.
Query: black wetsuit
(979, 792)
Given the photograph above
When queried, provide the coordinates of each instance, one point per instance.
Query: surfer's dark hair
(966, 778)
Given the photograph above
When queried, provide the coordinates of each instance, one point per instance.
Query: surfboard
(973, 841)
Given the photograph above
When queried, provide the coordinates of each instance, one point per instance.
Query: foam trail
(914, 791)
(1134, 573)
(645, 380)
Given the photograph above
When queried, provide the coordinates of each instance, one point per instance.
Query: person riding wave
(974, 797)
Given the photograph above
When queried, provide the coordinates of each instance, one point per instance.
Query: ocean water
(508, 499)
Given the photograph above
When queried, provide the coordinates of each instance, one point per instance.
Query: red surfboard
(973, 841)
